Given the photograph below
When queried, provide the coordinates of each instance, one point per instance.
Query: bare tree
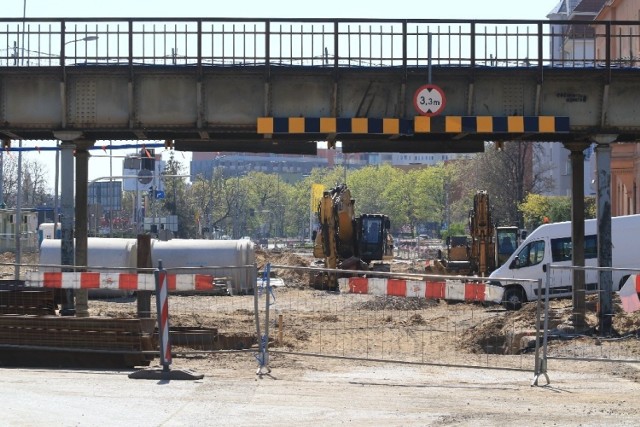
(33, 184)
(507, 173)
(34, 191)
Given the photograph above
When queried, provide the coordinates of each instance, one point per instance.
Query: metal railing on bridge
(330, 43)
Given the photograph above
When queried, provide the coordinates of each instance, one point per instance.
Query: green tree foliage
(213, 200)
(401, 199)
(431, 188)
(456, 229)
(260, 204)
(264, 193)
(297, 208)
(370, 187)
(537, 209)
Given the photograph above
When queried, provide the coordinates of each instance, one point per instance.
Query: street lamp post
(83, 39)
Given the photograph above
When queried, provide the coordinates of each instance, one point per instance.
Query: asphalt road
(313, 394)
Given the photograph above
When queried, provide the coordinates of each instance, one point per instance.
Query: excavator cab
(506, 243)
(373, 238)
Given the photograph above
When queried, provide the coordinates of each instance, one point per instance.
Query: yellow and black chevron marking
(326, 125)
(419, 124)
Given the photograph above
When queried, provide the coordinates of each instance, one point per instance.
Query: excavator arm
(482, 229)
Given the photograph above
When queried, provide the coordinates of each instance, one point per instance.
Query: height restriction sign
(429, 100)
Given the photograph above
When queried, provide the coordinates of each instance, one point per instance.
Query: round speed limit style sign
(429, 100)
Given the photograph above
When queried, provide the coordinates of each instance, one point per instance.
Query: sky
(99, 166)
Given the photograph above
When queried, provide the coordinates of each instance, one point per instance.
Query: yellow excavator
(487, 248)
(347, 242)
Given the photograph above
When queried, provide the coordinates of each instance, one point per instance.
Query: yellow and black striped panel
(325, 125)
(419, 124)
(491, 124)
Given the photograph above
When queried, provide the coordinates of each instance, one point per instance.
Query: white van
(551, 244)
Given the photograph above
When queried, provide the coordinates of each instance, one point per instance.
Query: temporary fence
(588, 330)
(452, 321)
(400, 318)
(118, 322)
(411, 249)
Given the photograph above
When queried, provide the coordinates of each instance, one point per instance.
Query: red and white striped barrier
(162, 304)
(629, 294)
(450, 290)
(118, 281)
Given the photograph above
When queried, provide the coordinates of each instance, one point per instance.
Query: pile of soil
(301, 278)
(495, 330)
(395, 303)
(291, 277)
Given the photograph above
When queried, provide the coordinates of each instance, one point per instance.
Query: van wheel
(513, 298)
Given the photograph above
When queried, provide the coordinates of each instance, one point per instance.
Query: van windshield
(531, 254)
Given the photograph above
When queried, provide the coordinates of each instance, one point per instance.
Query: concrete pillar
(144, 261)
(577, 233)
(577, 237)
(69, 217)
(82, 177)
(605, 252)
(67, 221)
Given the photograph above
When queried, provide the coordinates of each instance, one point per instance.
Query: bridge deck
(206, 82)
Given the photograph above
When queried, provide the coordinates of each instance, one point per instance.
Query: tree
(508, 176)
(177, 201)
(400, 199)
(34, 192)
(300, 210)
(538, 209)
(213, 200)
(369, 188)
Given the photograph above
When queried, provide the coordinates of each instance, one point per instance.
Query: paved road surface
(305, 394)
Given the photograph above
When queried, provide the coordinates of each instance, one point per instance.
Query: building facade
(625, 158)
(572, 45)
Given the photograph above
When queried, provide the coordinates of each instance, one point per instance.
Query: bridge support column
(605, 279)
(82, 177)
(577, 233)
(67, 221)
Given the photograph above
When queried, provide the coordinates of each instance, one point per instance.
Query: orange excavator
(347, 242)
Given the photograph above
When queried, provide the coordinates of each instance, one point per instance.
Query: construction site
(318, 339)
(236, 298)
(379, 327)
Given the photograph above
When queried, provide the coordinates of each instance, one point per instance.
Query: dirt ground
(493, 322)
(624, 324)
(580, 393)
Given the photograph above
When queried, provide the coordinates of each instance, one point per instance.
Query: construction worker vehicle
(486, 248)
(348, 242)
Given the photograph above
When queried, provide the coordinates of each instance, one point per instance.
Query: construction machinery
(486, 248)
(481, 229)
(347, 242)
